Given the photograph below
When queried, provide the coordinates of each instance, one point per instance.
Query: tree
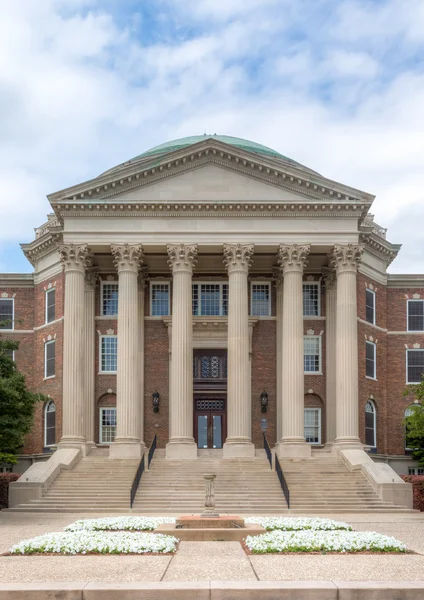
(414, 423)
(17, 404)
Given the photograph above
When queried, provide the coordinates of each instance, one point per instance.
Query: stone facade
(230, 217)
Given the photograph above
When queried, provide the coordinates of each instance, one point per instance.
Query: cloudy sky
(336, 84)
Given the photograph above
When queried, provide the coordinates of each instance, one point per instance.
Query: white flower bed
(84, 542)
(298, 524)
(323, 541)
(119, 524)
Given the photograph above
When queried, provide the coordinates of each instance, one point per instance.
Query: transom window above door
(210, 299)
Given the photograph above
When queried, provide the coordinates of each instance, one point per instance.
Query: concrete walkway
(211, 561)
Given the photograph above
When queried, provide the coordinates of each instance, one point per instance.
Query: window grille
(312, 425)
(159, 299)
(370, 360)
(107, 425)
(49, 359)
(50, 305)
(260, 300)
(6, 313)
(370, 306)
(311, 304)
(210, 367)
(218, 405)
(415, 315)
(110, 299)
(312, 354)
(109, 353)
(415, 365)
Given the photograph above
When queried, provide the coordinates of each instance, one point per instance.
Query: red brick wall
(264, 374)
(156, 378)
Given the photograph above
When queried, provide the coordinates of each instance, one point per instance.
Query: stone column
(330, 342)
(278, 276)
(75, 259)
(237, 258)
(141, 291)
(181, 445)
(292, 259)
(127, 259)
(345, 259)
(91, 276)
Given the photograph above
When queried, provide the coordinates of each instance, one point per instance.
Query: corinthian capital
(292, 257)
(346, 258)
(277, 276)
(182, 257)
(127, 257)
(91, 276)
(238, 257)
(330, 279)
(75, 257)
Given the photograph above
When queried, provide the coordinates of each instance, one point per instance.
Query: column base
(238, 450)
(129, 450)
(347, 443)
(293, 450)
(181, 450)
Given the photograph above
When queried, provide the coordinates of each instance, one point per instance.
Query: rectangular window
(109, 299)
(311, 303)
(107, 425)
(415, 471)
(260, 300)
(312, 353)
(312, 425)
(370, 360)
(50, 305)
(415, 315)
(109, 353)
(6, 313)
(159, 299)
(9, 353)
(414, 365)
(370, 306)
(210, 299)
(49, 359)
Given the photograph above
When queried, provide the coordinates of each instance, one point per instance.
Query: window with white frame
(415, 315)
(260, 299)
(49, 359)
(108, 353)
(370, 424)
(415, 471)
(50, 424)
(210, 299)
(159, 299)
(370, 360)
(414, 366)
(311, 299)
(370, 306)
(110, 299)
(312, 353)
(312, 425)
(50, 305)
(107, 425)
(6, 470)
(7, 313)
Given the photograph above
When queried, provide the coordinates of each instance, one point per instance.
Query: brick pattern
(386, 390)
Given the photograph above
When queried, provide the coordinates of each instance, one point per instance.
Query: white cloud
(335, 85)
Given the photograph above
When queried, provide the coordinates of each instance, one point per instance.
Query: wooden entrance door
(210, 428)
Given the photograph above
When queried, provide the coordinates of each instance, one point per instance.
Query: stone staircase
(95, 484)
(324, 483)
(242, 485)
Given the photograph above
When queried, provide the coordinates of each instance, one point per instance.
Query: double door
(210, 423)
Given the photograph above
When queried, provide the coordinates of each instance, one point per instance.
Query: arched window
(408, 412)
(370, 424)
(50, 424)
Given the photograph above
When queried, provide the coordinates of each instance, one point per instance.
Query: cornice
(380, 247)
(309, 184)
(405, 281)
(17, 280)
(43, 244)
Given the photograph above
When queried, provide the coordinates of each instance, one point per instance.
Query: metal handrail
(136, 481)
(151, 452)
(283, 481)
(267, 451)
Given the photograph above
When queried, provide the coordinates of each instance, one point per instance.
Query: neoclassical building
(207, 289)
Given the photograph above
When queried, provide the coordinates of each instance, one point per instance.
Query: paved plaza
(212, 561)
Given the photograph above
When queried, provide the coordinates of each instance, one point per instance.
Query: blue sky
(336, 84)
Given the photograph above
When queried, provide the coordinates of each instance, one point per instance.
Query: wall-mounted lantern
(264, 401)
(155, 400)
